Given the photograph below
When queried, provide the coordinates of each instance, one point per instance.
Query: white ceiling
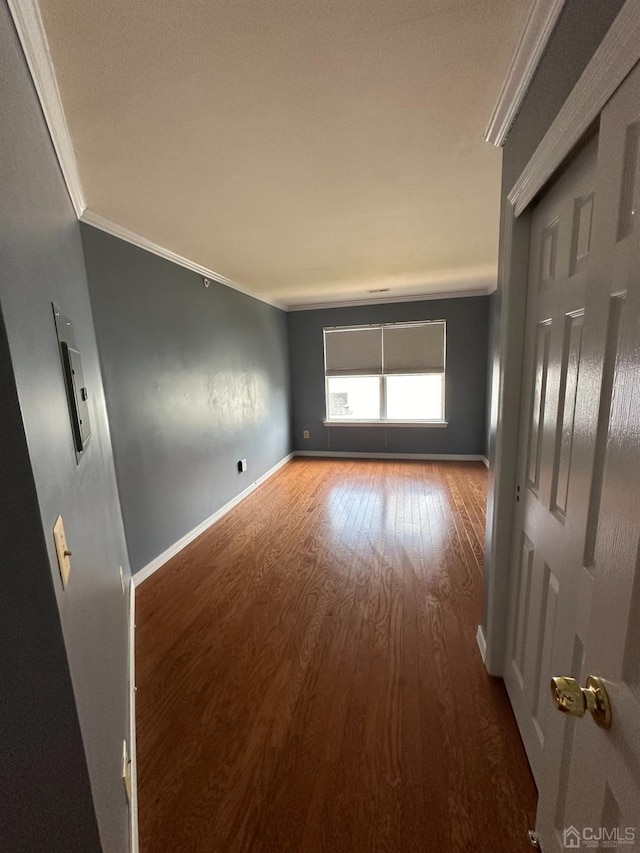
(309, 150)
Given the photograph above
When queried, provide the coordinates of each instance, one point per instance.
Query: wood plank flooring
(309, 679)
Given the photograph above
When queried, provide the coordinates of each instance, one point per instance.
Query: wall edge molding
(30, 29)
(433, 457)
(133, 805)
(103, 223)
(482, 643)
(389, 300)
(533, 41)
(157, 563)
(616, 55)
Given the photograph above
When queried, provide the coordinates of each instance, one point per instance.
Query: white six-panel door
(550, 515)
(600, 773)
(577, 529)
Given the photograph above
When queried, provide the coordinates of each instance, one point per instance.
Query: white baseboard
(133, 805)
(161, 559)
(482, 643)
(436, 457)
(486, 461)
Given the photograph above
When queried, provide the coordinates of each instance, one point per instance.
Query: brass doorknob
(572, 699)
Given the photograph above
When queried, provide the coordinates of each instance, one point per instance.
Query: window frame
(384, 421)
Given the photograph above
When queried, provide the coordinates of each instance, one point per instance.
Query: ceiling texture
(312, 151)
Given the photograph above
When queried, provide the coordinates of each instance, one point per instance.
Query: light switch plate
(62, 551)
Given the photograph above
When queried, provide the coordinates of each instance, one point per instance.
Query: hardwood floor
(309, 679)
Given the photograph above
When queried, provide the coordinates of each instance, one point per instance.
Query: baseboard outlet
(133, 802)
(486, 461)
(435, 457)
(482, 643)
(174, 549)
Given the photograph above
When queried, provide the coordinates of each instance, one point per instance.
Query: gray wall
(466, 375)
(45, 796)
(578, 32)
(41, 261)
(196, 378)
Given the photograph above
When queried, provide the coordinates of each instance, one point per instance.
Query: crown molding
(30, 29)
(540, 23)
(617, 54)
(416, 297)
(96, 220)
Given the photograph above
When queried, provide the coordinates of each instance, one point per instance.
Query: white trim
(434, 457)
(486, 461)
(28, 23)
(385, 423)
(482, 643)
(538, 28)
(161, 559)
(133, 805)
(618, 52)
(90, 217)
(505, 421)
(416, 297)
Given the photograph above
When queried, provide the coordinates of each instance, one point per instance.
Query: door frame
(614, 58)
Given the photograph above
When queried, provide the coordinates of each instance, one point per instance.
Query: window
(391, 374)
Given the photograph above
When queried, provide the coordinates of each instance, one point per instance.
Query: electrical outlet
(306, 434)
(242, 465)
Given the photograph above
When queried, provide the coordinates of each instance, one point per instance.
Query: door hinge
(533, 839)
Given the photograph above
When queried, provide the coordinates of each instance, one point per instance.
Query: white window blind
(353, 352)
(401, 348)
(413, 348)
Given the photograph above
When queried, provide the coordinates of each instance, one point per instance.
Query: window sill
(386, 423)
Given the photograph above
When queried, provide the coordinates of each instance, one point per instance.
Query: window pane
(353, 398)
(415, 397)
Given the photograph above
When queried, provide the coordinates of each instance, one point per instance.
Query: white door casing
(575, 594)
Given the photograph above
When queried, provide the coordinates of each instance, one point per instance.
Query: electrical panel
(77, 392)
